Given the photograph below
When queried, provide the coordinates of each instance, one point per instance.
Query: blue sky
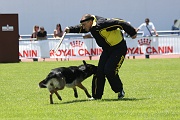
(48, 13)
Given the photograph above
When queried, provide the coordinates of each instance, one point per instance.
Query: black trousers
(108, 67)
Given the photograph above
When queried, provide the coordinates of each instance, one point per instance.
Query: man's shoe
(92, 98)
(121, 94)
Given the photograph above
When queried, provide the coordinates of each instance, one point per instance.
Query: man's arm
(130, 30)
(119, 23)
(155, 32)
(75, 29)
(154, 29)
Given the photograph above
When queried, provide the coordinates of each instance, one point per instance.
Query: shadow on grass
(75, 101)
(125, 99)
(103, 100)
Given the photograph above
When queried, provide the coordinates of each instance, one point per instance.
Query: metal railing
(76, 35)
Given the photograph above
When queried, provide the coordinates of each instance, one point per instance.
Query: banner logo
(76, 43)
(144, 41)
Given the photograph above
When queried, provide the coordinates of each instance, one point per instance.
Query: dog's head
(89, 69)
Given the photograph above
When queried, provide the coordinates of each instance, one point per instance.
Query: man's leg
(98, 81)
(111, 71)
(112, 67)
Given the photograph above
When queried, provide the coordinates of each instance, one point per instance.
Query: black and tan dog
(70, 77)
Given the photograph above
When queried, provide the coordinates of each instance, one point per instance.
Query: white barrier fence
(79, 47)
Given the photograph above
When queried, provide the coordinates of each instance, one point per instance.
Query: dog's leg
(51, 98)
(75, 92)
(58, 96)
(85, 90)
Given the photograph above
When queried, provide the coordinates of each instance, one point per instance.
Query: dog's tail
(42, 85)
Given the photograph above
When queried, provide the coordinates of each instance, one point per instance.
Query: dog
(70, 77)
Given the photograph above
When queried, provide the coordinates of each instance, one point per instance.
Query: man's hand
(67, 30)
(133, 37)
(157, 35)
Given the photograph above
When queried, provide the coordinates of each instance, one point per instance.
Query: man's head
(147, 21)
(41, 29)
(175, 21)
(87, 21)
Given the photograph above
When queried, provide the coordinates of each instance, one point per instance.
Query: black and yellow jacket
(107, 32)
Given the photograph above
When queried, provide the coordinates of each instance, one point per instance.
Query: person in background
(177, 24)
(58, 31)
(35, 31)
(174, 27)
(19, 36)
(86, 36)
(42, 34)
(108, 35)
(34, 35)
(147, 27)
(126, 36)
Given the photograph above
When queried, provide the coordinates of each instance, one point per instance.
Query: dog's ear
(85, 64)
(58, 74)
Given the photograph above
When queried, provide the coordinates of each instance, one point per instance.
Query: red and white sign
(87, 47)
(153, 45)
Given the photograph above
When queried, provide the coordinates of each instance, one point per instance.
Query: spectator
(177, 24)
(58, 31)
(126, 35)
(147, 27)
(34, 35)
(19, 36)
(175, 28)
(35, 31)
(86, 36)
(42, 34)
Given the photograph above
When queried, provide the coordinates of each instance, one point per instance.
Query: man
(108, 35)
(147, 27)
(42, 34)
(177, 24)
(174, 27)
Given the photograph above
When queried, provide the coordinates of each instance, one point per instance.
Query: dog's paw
(59, 98)
(89, 96)
(75, 95)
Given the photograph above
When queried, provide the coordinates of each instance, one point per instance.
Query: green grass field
(152, 89)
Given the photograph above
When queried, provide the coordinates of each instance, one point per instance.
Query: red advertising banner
(87, 47)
